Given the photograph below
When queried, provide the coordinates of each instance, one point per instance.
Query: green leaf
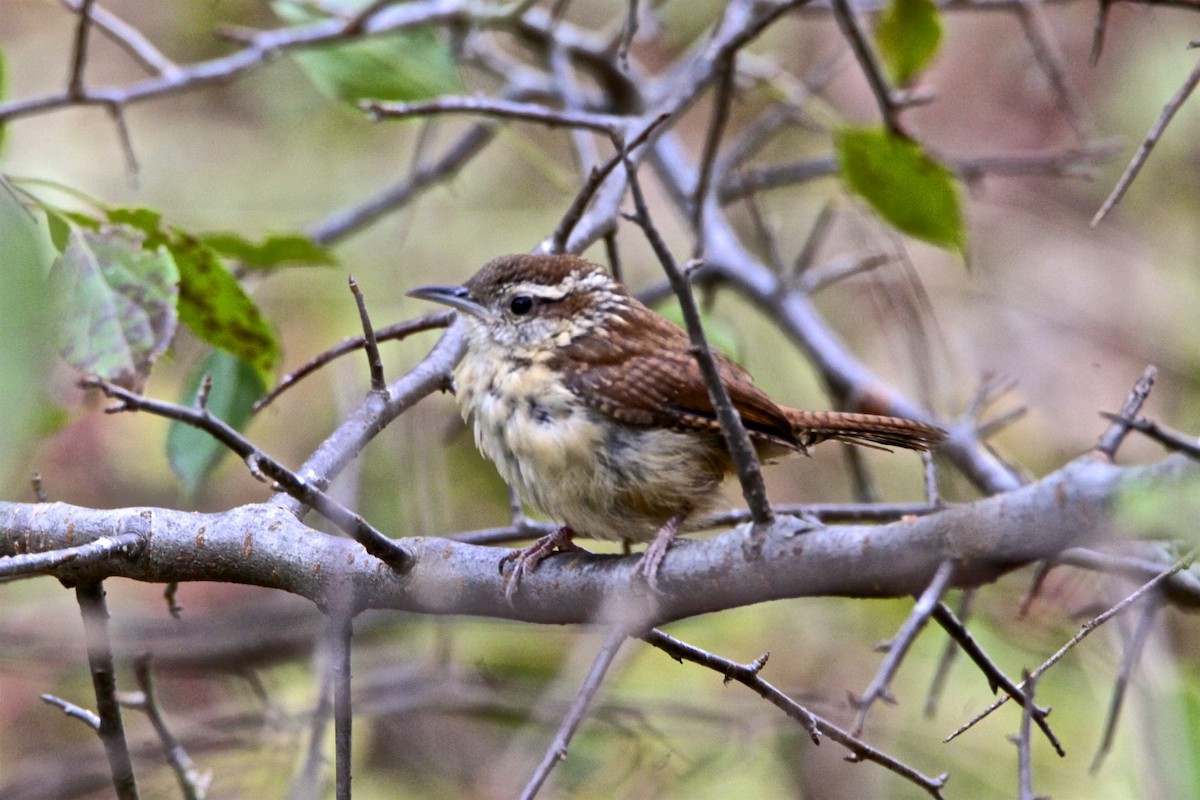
(146, 220)
(213, 304)
(903, 184)
(194, 454)
(408, 65)
(211, 301)
(116, 304)
(26, 331)
(273, 251)
(908, 36)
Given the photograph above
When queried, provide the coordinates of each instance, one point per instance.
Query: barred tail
(868, 430)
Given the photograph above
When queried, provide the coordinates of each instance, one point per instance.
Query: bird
(593, 408)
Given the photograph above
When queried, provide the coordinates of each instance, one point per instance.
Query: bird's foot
(526, 559)
(652, 559)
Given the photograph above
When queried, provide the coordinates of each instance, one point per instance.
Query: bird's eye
(521, 305)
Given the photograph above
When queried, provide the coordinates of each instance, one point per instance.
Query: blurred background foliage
(463, 708)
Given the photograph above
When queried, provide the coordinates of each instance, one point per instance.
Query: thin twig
(39, 491)
(627, 33)
(607, 124)
(900, 644)
(949, 653)
(89, 718)
(128, 38)
(374, 542)
(1172, 440)
(370, 344)
(1084, 631)
(1070, 162)
(1111, 439)
(307, 783)
(1143, 152)
(996, 677)
(1099, 30)
(79, 52)
(1024, 739)
(396, 332)
(192, 783)
(869, 62)
(583, 699)
(111, 730)
(748, 676)
(1133, 653)
(1048, 55)
(125, 545)
(819, 513)
(341, 631)
(838, 269)
(736, 439)
(341, 224)
(725, 70)
(595, 179)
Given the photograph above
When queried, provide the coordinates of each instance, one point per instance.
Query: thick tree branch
(264, 546)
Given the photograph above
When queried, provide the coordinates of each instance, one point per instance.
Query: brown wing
(643, 373)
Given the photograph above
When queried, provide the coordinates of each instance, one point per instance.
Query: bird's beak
(457, 297)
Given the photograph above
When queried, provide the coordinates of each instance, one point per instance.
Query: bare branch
(192, 783)
(748, 676)
(111, 730)
(1134, 646)
(606, 124)
(265, 546)
(587, 692)
(1143, 152)
(370, 344)
(898, 647)
(1111, 439)
(374, 542)
(1086, 629)
(736, 439)
(397, 332)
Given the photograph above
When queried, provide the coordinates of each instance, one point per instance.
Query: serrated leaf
(274, 251)
(907, 187)
(408, 65)
(908, 36)
(211, 301)
(26, 331)
(116, 304)
(193, 453)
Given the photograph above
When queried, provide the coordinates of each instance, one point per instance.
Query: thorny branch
(608, 62)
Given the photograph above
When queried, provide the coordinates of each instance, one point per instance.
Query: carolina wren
(594, 410)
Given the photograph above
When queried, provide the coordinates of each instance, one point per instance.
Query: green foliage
(276, 250)
(211, 301)
(25, 328)
(907, 187)
(908, 36)
(235, 386)
(408, 65)
(116, 303)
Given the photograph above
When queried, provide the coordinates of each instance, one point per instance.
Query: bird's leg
(657, 550)
(526, 559)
